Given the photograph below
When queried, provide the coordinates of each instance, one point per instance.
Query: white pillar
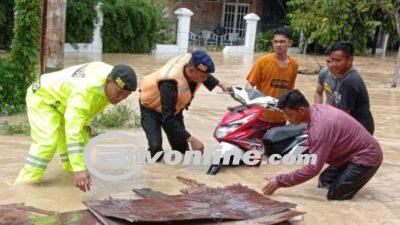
(97, 43)
(384, 45)
(251, 30)
(182, 36)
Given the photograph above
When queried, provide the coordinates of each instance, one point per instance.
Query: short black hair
(345, 46)
(293, 99)
(285, 31)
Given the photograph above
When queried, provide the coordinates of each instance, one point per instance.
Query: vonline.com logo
(119, 155)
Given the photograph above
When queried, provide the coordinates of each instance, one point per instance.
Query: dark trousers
(343, 183)
(152, 123)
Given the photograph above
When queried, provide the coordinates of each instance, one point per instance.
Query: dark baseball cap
(202, 61)
(124, 76)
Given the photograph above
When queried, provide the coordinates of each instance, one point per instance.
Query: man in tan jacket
(165, 93)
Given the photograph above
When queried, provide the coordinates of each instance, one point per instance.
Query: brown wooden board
(80, 217)
(234, 202)
(19, 214)
(13, 214)
(148, 193)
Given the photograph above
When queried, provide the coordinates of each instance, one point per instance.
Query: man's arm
(318, 95)
(321, 148)
(292, 81)
(319, 90)
(212, 82)
(254, 76)
(168, 93)
(76, 119)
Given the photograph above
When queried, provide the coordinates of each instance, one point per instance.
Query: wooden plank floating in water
(12, 214)
(148, 193)
(234, 202)
(80, 217)
(19, 213)
(216, 205)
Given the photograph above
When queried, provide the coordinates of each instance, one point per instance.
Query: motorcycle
(241, 130)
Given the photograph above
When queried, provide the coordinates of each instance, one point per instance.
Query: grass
(22, 127)
(121, 116)
(118, 117)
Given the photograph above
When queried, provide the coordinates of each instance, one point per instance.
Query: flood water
(377, 203)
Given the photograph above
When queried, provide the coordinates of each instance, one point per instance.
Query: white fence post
(182, 36)
(251, 31)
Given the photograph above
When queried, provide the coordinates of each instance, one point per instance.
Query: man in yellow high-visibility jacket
(60, 108)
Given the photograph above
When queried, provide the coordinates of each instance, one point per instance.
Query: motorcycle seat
(277, 134)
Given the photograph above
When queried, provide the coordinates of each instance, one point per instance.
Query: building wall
(208, 14)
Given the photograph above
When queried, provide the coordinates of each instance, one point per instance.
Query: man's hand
(225, 87)
(82, 181)
(270, 186)
(249, 85)
(196, 144)
(318, 95)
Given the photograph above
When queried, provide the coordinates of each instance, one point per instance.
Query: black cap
(202, 61)
(124, 76)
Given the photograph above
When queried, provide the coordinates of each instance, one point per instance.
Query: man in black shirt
(165, 93)
(343, 85)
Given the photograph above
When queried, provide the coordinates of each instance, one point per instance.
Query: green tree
(19, 70)
(325, 22)
(392, 9)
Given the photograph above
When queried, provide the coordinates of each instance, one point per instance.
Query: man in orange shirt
(275, 73)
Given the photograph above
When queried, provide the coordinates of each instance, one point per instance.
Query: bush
(166, 34)
(131, 26)
(119, 116)
(19, 70)
(80, 21)
(264, 41)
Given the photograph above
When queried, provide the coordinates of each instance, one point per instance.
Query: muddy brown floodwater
(377, 203)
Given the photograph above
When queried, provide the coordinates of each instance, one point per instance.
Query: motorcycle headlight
(223, 131)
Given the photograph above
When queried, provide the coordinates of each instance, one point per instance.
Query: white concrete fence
(182, 36)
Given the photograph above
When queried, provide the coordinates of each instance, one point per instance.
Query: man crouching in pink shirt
(335, 138)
